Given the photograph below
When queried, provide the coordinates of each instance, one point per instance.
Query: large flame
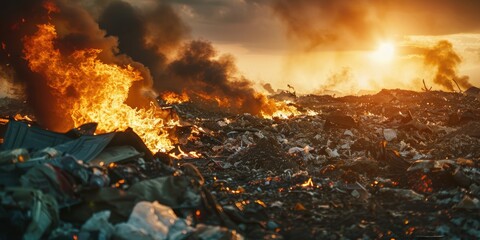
(92, 90)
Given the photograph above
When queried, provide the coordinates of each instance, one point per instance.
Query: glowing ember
(19, 117)
(183, 154)
(51, 7)
(92, 90)
(308, 183)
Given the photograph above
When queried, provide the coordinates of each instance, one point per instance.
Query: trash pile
(79, 185)
(394, 165)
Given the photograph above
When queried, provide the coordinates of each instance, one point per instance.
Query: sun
(385, 52)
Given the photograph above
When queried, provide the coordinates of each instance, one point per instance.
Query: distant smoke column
(268, 87)
(443, 57)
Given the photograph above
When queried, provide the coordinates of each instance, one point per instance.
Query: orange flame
(182, 154)
(173, 98)
(221, 102)
(282, 111)
(308, 183)
(93, 91)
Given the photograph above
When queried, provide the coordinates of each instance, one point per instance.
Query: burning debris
(395, 155)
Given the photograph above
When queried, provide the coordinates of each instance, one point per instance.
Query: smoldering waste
(396, 164)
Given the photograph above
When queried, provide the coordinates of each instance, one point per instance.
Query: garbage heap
(396, 164)
(79, 185)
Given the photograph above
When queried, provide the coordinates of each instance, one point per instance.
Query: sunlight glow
(384, 53)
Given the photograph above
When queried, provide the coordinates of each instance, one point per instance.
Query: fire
(93, 91)
(308, 183)
(182, 154)
(221, 102)
(174, 98)
(19, 117)
(282, 110)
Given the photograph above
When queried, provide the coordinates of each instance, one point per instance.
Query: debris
(338, 120)
(97, 227)
(406, 194)
(348, 133)
(333, 168)
(472, 91)
(389, 134)
(27, 213)
(156, 220)
(468, 203)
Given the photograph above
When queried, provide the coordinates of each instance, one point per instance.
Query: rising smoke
(145, 35)
(445, 60)
(143, 38)
(199, 70)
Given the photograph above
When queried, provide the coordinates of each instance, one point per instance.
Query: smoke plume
(150, 35)
(199, 71)
(445, 60)
(76, 30)
(145, 38)
(146, 35)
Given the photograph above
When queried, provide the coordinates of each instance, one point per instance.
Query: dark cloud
(324, 24)
(248, 23)
(332, 23)
(342, 24)
(435, 17)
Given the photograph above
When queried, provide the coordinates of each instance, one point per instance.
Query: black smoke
(147, 38)
(201, 71)
(145, 35)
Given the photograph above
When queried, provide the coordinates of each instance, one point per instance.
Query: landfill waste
(397, 164)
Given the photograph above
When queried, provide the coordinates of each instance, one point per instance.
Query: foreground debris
(397, 164)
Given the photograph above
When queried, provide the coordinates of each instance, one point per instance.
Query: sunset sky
(337, 44)
(316, 46)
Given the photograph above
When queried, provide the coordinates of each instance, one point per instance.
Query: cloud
(342, 24)
(249, 23)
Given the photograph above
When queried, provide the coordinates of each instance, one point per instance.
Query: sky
(324, 45)
(316, 46)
